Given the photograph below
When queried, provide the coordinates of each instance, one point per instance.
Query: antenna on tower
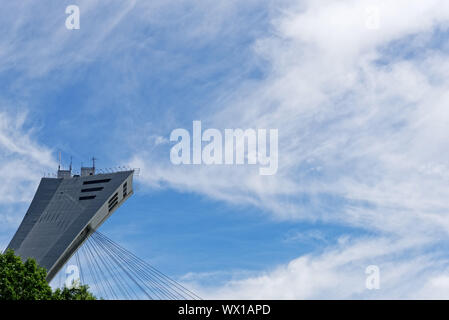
(70, 163)
(59, 165)
(93, 162)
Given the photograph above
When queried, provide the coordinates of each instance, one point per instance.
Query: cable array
(112, 272)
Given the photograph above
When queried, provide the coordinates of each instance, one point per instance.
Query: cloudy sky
(357, 89)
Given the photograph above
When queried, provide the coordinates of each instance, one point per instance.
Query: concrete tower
(64, 213)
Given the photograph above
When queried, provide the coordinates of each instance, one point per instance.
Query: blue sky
(361, 113)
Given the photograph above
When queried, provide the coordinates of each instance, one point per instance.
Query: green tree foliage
(26, 281)
(22, 281)
(77, 292)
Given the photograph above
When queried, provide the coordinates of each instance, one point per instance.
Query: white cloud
(339, 272)
(358, 120)
(368, 127)
(23, 161)
(367, 107)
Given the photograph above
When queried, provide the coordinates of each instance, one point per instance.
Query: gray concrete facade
(64, 212)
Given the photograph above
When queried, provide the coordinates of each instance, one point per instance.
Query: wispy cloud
(340, 273)
(359, 117)
(350, 128)
(23, 161)
(361, 114)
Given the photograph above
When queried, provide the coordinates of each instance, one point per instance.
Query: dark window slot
(113, 203)
(87, 198)
(92, 189)
(115, 197)
(111, 208)
(96, 181)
